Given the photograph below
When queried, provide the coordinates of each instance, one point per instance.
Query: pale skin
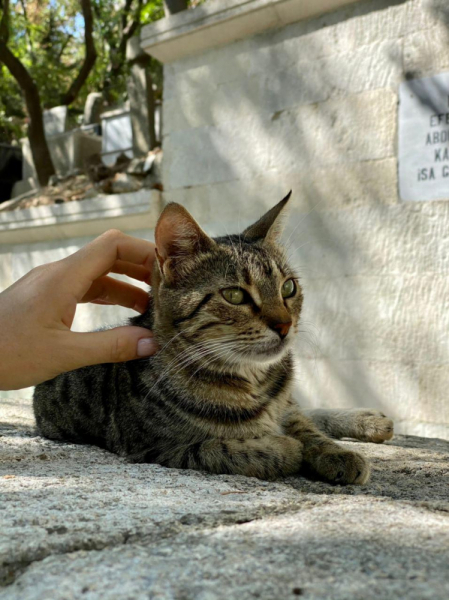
(37, 312)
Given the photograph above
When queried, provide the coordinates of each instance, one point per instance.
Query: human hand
(37, 311)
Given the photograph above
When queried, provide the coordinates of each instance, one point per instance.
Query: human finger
(139, 272)
(99, 256)
(107, 290)
(111, 346)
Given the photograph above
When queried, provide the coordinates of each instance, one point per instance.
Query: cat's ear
(269, 227)
(178, 235)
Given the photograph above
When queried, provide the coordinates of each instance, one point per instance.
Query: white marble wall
(313, 107)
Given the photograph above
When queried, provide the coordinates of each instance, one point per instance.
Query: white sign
(424, 138)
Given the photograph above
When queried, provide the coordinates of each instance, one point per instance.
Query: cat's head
(235, 296)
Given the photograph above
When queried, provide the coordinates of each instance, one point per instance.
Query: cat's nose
(282, 328)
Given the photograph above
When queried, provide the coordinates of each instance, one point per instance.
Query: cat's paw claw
(343, 467)
(373, 426)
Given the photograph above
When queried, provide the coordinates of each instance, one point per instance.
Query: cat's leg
(266, 457)
(323, 455)
(48, 429)
(361, 424)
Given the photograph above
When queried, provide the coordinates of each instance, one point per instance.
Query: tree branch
(125, 13)
(64, 46)
(4, 21)
(28, 32)
(89, 59)
(128, 30)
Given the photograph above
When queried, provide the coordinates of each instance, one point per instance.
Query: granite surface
(79, 522)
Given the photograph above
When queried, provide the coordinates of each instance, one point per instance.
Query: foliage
(48, 37)
(152, 11)
(11, 108)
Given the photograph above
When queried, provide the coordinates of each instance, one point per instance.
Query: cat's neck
(179, 362)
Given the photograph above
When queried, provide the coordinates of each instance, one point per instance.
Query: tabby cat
(217, 396)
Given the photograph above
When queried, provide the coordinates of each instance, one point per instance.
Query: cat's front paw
(373, 426)
(342, 466)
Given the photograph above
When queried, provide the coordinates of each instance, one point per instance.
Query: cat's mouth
(267, 351)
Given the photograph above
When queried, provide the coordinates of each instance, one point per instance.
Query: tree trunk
(151, 109)
(141, 101)
(171, 7)
(38, 144)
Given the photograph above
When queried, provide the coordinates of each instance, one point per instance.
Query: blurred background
(109, 110)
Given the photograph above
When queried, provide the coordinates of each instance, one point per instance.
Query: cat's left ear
(178, 235)
(269, 227)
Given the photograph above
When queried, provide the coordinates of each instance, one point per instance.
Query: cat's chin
(266, 353)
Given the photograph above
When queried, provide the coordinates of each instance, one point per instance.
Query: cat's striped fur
(217, 396)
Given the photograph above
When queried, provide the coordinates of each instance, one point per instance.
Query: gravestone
(424, 138)
(55, 120)
(93, 108)
(68, 151)
(117, 135)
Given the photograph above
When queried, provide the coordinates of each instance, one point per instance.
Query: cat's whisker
(226, 272)
(311, 342)
(227, 233)
(191, 328)
(228, 350)
(238, 223)
(195, 354)
(180, 358)
(292, 252)
(309, 323)
(302, 220)
(216, 356)
(169, 342)
(173, 364)
(204, 362)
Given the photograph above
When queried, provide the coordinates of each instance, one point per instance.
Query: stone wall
(312, 106)
(78, 522)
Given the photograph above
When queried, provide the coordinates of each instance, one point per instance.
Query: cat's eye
(288, 289)
(234, 295)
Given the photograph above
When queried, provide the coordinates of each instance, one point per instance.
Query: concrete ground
(78, 522)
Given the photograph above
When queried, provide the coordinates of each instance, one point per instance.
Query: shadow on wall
(313, 107)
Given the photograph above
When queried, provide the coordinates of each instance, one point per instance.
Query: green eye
(288, 289)
(234, 295)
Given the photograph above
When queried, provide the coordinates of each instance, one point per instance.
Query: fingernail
(146, 347)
